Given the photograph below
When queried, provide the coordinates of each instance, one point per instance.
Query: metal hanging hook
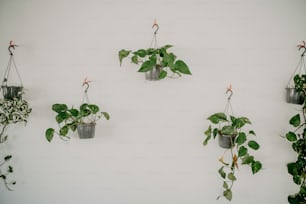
(304, 47)
(86, 83)
(157, 27)
(12, 45)
(229, 89)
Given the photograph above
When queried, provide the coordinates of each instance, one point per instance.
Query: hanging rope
(85, 97)
(228, 107)
(301, 66)
(11, 63)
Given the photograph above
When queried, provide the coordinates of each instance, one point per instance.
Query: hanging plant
(239, 144)
(82, 119)
(156, 62)
(11, 112)
(4, 174)
(297, 138)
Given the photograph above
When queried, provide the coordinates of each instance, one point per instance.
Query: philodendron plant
(298, 140)
(242, 145)
(156, 58)
(12, 111)
(69, 118)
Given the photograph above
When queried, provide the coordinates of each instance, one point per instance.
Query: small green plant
(297, 138)
(12, 111)
(69, 118)
(240, 148)
(4, 174)
(158, 58)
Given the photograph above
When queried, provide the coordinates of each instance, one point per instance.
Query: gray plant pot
(226, 141)
(11, 92)
(293, 96)
(153, 75)
(86, 130)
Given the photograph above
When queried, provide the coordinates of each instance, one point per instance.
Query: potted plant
(11, 112)
(156, 62)
(239, 144)
(297, 138)
(71, 119)
(292, 95)
(4, 174)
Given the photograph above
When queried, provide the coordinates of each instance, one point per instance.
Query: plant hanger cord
(85, 96)
(301, 66)
(10, 64)
(228, 107)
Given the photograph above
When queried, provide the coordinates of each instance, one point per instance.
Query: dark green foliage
(297, 169)
(69, 118)
(156, 57)
(232, 126)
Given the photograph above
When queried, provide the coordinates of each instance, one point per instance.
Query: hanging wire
(85, 96)
(228, 107)
(10, 64)
(154, 38)
(301, 66)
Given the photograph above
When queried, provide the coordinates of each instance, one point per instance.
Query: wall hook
(12, 45)
(302, 46)
(229, 90)
(86, 83)
(157, 27)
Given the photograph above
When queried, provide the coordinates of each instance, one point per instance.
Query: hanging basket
(226, 141)
(86, 130)
(153, 74)
(293, 96)
(11, 92)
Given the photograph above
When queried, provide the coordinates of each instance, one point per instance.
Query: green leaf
(241, 138)
(217, 117)
(253, 144)
(231, 177)
(256, 166)
(94, 108)
(141, 53)
(228, 194)
(61, 117)
(251, 132)
(74, 112)
(182, 67)
(228, 130)
(64, 130)
(247, 159)
(58, 108)
(49, 134)
(295, 121)
(123, 54)
(292, 168)
(134, 59)
(106, 115)
(167, 46)
(146, 66)
(208, 134)
(240, 122)
(291, 136)
(242, 151)
(215, 132)
(222, 173)
(162, 74)
(8, 157)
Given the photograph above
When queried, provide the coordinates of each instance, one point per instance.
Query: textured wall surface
(151, 150)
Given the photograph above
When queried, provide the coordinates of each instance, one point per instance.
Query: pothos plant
(158, 58)
(297, 138)
(243, 144)
(69, 118)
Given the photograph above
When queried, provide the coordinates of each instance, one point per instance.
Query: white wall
(151, 150)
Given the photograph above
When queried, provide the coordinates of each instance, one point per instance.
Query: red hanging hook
(12, 45)
(86, 83)
(302, 46)
(155, 25)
